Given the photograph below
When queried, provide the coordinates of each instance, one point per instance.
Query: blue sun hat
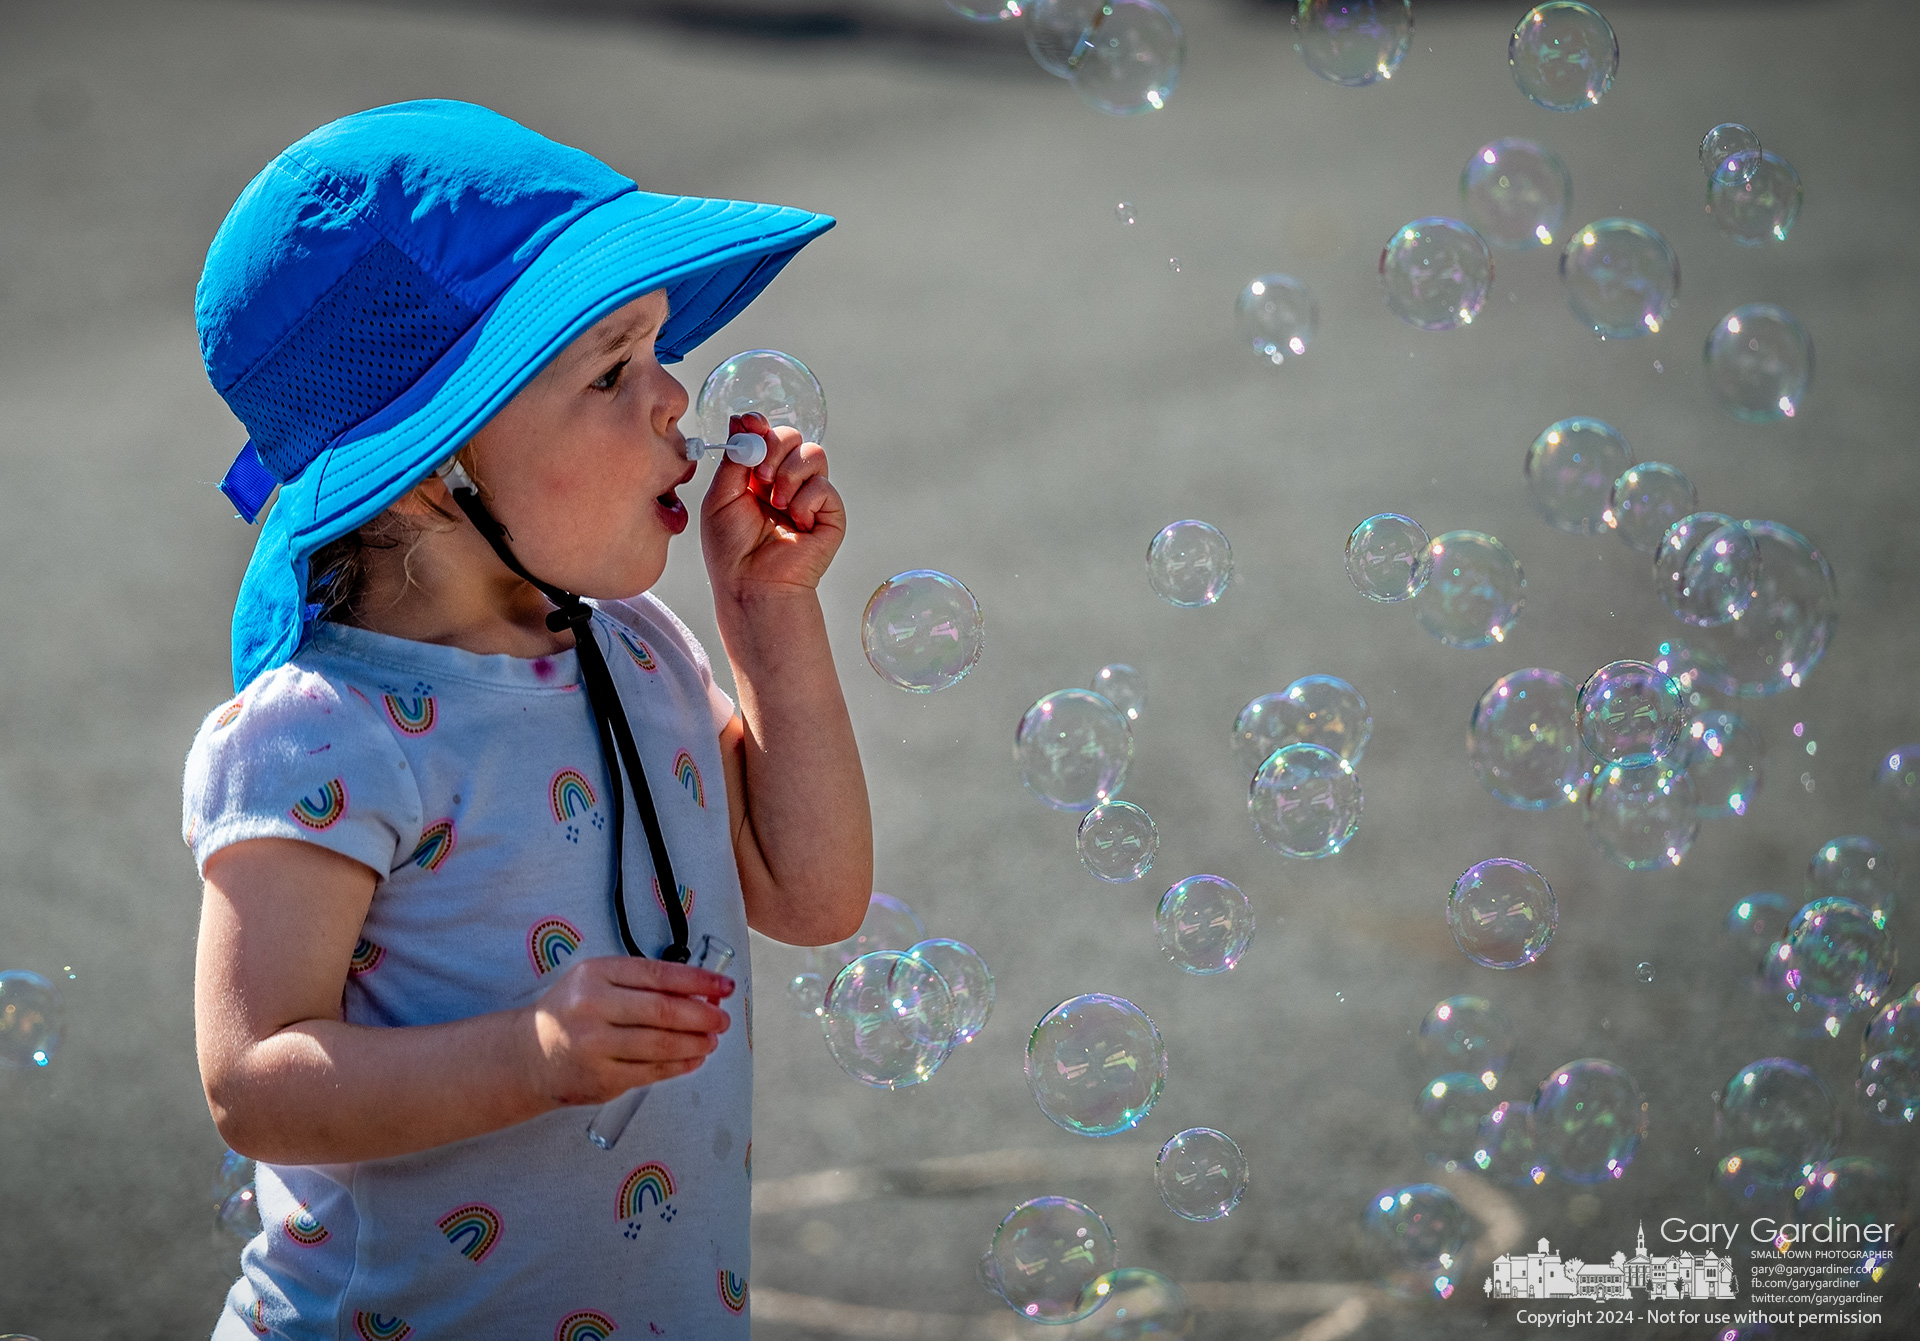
(388, 282)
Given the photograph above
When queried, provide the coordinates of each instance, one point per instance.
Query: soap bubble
(1201, 1173)
(1889, 1087)
(1414, 1239)
(1047, 1252)
(922, 631)
(1124, 687)
(1621, 278)
(1642, 818)
(1759, 363)
(1476, 592)
(1448, 1113)
(1646, 500)
(1189, 563)
(1779, 1106)
(1780, 637)
(31, 1016)
(1073, 748)
(1643, 971)
(1707, 568)
(1723, 754)
(1507, 1150)
(1502, 913)
(1523, 741)
(1278, 316)
(1896, 782)
(239, 1215)
(1563, 55)
(986, 1273)
(1516, 194)
(1305, 801)
(1436, 273)
(1855, 1191)
(234, 1172)
(889, 1020)
(1724, 141)
(1467, 1033)
(1318, 710)
(1118, 841)
(1353, 42)
(1754, 197)
(765, 382)
(1895, 1027)
(890, 924)
(1134, 1302)
(1123, 211)
(1570, 472)
(966, 976)
(1388, 557)
(1054, 30)
(1128, 60)
(1631, 714)
(987, 11)
(1754, 1181)
(1589, 1117)
(1842, 955)
(1095, 1064)
(1756, 922)
(1205, 924)
(807, 992)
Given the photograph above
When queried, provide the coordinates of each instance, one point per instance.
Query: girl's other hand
(614, 1023)
(776, 525)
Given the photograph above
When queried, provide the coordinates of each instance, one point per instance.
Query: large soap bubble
(1122, 686)
(1305, 801)
(1646, 500)
(1889, 1087)
(1189, 563)
(1135, 1302)
(1508, 1150)
(1436, 273)
(1389, 557)
(1353, 42)
(1755, 197)
(1414, 1239)
(1781, 1107)
(1470, 1034)
(1321, 710)
(1502, 913)
(922, 631)
(1723, 759)
(765, 382)
(1621, 278)
(1128, 59)
(1759, 363)
(1476, 591)
(1118, 841)
(1632, 714)
(1570, 472)
(1523, 742)
(1516, 194)
(31, 1017)
(1047, 1254)
(1589, 1117)
(889, 1020)
(1842, 956)
(1781, 636)
(1723, 142)
(1707, 568)
(1563, 55)
(1858, 868)
(1073, 748)
(1278, 316)
(1054, 30)
(966, 976)
(1448, 1113)
(1642, 818)
(1205, 924)
(1201, 1174)
(1095, 1065)
(1896, 785)
(1843, 1197)
(1755, 922)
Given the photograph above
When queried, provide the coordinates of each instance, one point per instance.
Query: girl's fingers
(815, 500)
(657, 1010)
(806, 461)
(642, 1046)
(781, 442)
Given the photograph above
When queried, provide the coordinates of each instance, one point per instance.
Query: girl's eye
(609, 379)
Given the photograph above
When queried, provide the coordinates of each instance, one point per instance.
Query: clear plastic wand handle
(749, 449)
(611, 1118)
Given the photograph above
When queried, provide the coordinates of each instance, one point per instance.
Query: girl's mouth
(672, 511)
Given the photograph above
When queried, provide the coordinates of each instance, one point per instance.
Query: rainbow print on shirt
(413, 714)
(473, 1229)
(552, 940)
(379, 1327)
(228, 714)
(436, 845)
(571, 795)
(305, 1229)
(649, 1185)
(638, 651)
(323, 807)
(366, 957)
(257, 1318)
(589, 1324)
(689, 775)
(733, 1290)
(686, 898)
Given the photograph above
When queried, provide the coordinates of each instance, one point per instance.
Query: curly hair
(337, 571)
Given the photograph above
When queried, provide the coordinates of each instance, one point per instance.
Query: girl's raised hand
(776, 525)
(613, 1023)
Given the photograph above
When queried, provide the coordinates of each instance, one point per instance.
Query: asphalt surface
(1022, 392)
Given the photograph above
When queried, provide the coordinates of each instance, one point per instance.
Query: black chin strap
(609, 720)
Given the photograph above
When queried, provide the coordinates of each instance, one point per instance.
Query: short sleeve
(297, 756)
(647, 614)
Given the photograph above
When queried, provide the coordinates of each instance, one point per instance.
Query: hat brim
(713, 257)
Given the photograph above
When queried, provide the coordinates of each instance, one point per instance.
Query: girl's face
(582, 464)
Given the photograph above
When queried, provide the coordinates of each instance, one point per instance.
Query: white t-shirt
(474, 788)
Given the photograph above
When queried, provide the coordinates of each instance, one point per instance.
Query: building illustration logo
(1543, 1275)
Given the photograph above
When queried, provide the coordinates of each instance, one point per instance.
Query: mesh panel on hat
(364, 343)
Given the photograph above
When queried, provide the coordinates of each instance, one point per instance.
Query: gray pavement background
(1022, 392)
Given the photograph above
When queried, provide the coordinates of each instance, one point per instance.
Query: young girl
(434, 824)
